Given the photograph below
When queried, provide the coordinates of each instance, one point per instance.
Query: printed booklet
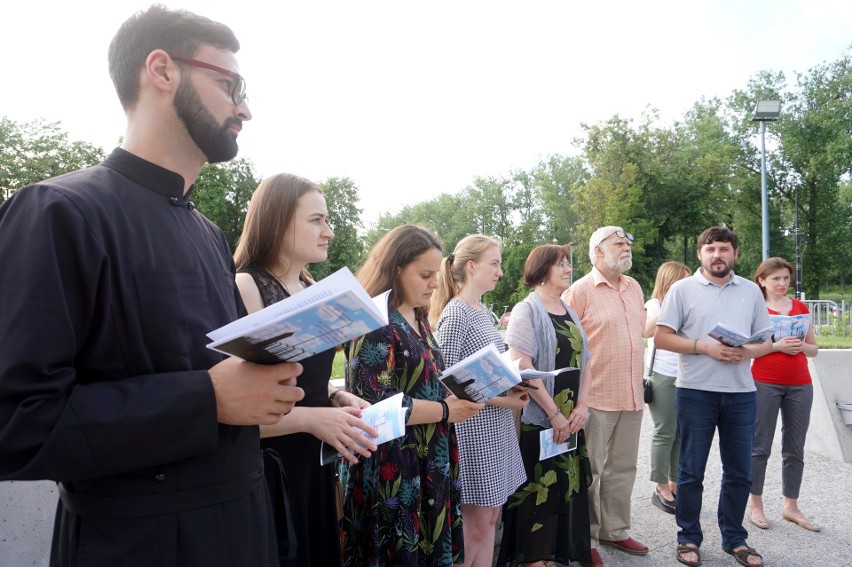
(323, 316)
(734, 338)
(387, 417)
(547, 448)
(487, 373)
(790, 326)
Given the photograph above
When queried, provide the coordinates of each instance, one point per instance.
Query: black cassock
(109, 281)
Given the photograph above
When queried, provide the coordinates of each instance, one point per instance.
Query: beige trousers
(613, 441)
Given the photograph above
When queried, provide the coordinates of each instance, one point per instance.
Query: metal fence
(826, 312)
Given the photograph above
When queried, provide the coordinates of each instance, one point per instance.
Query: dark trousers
(699, 415)
(795, 403)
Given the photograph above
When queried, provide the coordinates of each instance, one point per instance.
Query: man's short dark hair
(718, 234)
(177, 32)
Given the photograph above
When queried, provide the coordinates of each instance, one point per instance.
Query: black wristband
(446, 411)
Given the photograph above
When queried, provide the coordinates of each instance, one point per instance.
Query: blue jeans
(699, 415)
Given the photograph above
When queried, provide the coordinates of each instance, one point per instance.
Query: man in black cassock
(110, 280)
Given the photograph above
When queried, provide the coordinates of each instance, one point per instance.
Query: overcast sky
(413, 99)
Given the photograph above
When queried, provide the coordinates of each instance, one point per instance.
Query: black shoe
(667, 506)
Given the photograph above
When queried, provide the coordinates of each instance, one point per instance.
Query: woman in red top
(783, 382)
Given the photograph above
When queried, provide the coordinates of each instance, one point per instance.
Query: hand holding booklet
(387, 417)
(796, 326)
(323, 316)
(733, 338)
(487, 373)
(549, 448)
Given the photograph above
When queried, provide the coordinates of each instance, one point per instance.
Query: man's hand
(254, 394)
(723, 353)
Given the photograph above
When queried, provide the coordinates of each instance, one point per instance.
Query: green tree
(557, 180)
(39, 150)
(222, 194)
(344, 216)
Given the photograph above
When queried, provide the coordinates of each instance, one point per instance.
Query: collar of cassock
(151, 176)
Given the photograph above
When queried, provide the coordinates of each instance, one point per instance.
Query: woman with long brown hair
(286, 228)
(402, 505)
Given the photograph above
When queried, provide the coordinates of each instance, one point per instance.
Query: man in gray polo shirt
(715, 390)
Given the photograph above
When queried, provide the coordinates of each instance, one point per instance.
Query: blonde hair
(453, 275)
(667, 274)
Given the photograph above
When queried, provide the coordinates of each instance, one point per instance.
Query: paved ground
(826, 498)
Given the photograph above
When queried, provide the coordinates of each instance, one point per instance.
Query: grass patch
(338, 368)
(834, 341)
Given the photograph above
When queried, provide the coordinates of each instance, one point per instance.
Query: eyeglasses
(563, 265)
(620, 234)
(237, 89)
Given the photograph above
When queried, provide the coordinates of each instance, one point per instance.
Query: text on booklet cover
(323, 316)
(487, 373)
(733, 338)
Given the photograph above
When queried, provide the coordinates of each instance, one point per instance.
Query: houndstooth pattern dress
(491, 468)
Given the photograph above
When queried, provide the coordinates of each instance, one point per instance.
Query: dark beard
(720, 273)
(215, 141)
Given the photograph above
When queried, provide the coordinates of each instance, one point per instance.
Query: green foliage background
(664, 182)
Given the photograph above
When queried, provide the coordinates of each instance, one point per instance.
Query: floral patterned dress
(547, 519)
(402, 506)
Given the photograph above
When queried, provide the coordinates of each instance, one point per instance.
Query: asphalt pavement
(826, 498)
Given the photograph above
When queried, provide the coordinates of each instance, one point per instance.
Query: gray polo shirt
(693, 306)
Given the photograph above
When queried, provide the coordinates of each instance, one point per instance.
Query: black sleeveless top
(311, 488)
(317, 368)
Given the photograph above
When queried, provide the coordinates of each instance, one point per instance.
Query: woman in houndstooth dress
(490, 460)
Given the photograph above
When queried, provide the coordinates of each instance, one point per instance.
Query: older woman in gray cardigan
(547, 519)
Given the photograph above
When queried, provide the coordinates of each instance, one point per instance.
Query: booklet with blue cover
(387, 417)
(734, 338)
(549, 448)
(487, 373)
(322, 316)
(790, 326)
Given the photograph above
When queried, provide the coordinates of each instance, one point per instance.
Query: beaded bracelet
(554, 414)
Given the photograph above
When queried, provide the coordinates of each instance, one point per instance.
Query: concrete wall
(831, 371)
(26, 523)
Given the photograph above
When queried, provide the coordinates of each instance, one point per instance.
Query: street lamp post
(765, 111)
(799, 294)
(571, 261)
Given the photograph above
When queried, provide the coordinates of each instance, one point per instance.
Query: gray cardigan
(531, 332)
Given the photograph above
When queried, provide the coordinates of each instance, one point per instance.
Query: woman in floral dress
(402, 505)
(547, 519)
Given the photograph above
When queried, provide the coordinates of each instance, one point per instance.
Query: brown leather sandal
(742, 555)
(683, 549)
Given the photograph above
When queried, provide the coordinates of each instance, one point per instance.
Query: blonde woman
(490, 459)
(665, 442)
